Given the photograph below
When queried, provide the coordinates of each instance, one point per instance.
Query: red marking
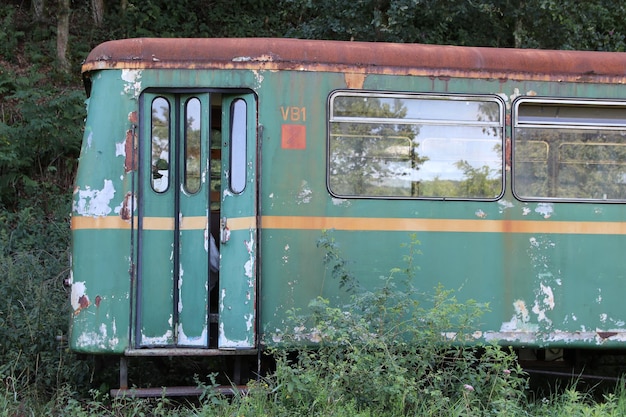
(293, 137)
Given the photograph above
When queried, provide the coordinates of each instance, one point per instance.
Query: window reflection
(160, 144)
(192, 145)
(567, 150)
(415, 146)
(238, 148)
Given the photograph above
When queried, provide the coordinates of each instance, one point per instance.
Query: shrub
(396, 351)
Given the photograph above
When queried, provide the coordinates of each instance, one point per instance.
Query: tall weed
(395, 350)
(34, 311)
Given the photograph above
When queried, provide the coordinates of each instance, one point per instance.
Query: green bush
(396, 352)
(34, 308)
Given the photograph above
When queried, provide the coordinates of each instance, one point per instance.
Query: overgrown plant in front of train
(395, 349)
(34, 311)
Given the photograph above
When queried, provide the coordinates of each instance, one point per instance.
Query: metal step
(176, 391)
(182, 351)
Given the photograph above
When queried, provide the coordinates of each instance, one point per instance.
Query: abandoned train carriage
(510, 165)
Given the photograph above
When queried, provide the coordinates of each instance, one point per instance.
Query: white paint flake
(94, 203)
(545, 209)
(78, 290)
(543, 304)
(185, 340)
(157, 340)
(504, 205)
(120, 149)
(305, 194)
(132, 79)
(341, 202)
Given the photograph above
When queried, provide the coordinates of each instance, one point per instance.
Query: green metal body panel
(557, 286)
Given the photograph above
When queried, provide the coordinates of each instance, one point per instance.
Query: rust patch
(126, 210)
(359, 57)
(132, 117)
(606, 335)
(83, 301)
(130, 162)
(507, 153)
(98, 300)
(355, 81)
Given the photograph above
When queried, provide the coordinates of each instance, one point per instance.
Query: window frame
(595, 104)
(499, 125)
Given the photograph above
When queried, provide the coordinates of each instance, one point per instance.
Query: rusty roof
(358, 57)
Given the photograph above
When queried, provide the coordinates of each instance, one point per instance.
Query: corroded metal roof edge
(358, 57)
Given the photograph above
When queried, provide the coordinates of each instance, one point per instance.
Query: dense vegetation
(41, 107)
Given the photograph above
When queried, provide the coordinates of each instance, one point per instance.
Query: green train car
(508, 165)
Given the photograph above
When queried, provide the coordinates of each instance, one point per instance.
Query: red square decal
(293, 137)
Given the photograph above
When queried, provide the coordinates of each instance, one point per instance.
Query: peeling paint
(129, 146)
(542, 304)
(341, 202)
(355, 81)
(520, 320)
(258, 77)
(78, 296)
(222, 297)
(94, 202)
(545, 209)
(260, 58)
(480, 214)
(120, 148)
(157, 340)
(504, 205)
(185, 340)
(223, 341)
(128, 204)
(305, 194)
(132, 80)
(99, 339)
(286, 255)
(181, 272)
(249, 265)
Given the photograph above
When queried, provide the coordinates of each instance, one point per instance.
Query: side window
(415, 146)
(570, 150)
(238, 145)
(192, 145)
(160, 144)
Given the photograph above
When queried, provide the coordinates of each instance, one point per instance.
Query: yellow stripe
(442, 225)
(157, 223)
(365, 224)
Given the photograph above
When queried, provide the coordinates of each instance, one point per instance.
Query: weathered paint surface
(551, 271)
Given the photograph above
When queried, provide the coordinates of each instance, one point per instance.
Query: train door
(181, 140)
(237, 293)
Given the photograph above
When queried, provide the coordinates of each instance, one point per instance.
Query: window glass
(160, 144)
(398, 145)
(238, 148)
(569, 150)
(192, 145)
